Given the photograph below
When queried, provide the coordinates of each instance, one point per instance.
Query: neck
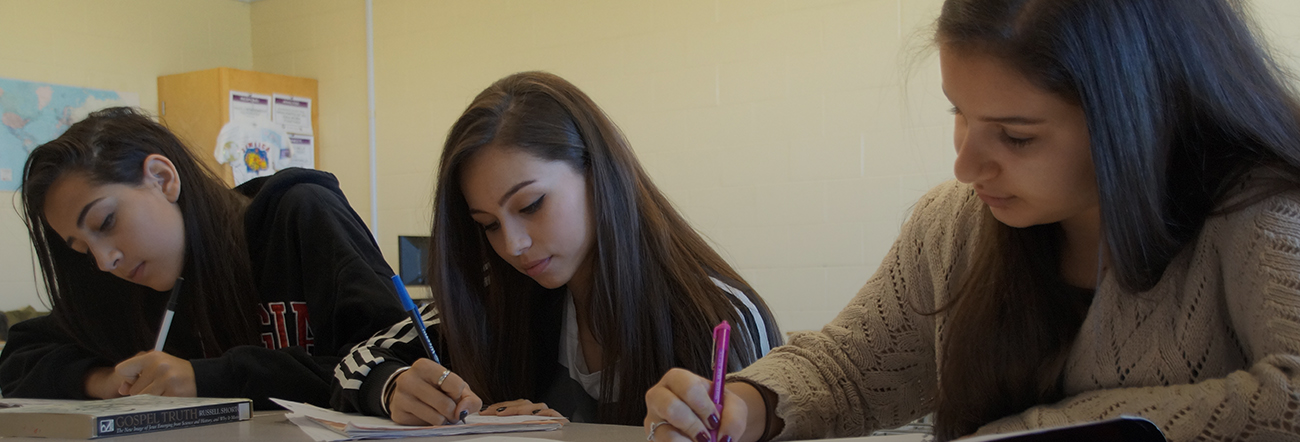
(580, 289)
(1079, 256)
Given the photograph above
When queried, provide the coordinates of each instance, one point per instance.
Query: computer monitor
(411, 253)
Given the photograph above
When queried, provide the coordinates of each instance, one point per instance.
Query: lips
(996, 202)
(136, 272)
(534, 268)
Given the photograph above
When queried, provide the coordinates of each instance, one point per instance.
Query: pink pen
(721, 338)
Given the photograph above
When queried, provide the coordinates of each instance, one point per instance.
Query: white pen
(167, 317)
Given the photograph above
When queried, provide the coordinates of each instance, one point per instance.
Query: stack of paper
(328, 425)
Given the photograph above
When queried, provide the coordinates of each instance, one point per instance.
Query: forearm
(40, 362)
(1239, 406)
(357, 379)
(258, 373)
(759, 412)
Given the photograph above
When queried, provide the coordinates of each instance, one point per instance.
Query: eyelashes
(1015, 142)
(530, 209)
(534, 207)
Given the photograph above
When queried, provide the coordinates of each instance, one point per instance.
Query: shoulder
(292, 182)
(307, 195)
(299, 199)
(948, 201)
(1272, 223)
(942, 221)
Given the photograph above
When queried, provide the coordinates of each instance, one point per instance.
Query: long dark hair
(115, 318)
(1182, 103)
(652, 302)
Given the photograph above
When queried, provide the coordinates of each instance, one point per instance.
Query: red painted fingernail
(702, 437)
(501, 409)
(725, 439)
(713, 421)
(535, 411)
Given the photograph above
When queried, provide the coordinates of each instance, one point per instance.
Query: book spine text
(147, 421)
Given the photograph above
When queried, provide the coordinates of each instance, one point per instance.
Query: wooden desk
(272, 426)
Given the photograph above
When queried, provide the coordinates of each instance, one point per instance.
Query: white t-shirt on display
(252, 150)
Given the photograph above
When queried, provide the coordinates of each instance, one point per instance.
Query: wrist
(98, 383)
(390, 385)
(761, 424)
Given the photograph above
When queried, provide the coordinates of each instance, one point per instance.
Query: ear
(159, 172)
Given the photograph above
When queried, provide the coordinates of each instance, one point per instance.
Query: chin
(164, 286)
(1013, 221)
(548, 283)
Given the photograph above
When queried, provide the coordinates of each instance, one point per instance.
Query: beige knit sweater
(1212, 352)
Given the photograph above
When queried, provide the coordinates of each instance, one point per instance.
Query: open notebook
(329, 425)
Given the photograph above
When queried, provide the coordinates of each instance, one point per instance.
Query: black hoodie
(323, 287)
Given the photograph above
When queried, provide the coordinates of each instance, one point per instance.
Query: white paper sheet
(348, 425)
(247, 106)
(293, 113)
(302, 151)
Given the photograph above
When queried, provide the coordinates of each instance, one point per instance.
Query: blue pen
(410, 308)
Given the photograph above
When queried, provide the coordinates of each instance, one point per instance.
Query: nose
(973, 164)
(107, 258)
(517, 239)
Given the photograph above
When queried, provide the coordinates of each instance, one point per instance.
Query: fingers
(130, 368)
(156, 373)
(660, 431)
(521, 407)
(418, 398)
(492, 410)
(682, 400)
(549, 412)
(468, 404)
(418, 401)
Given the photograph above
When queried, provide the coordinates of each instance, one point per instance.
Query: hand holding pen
(427, 393)
(156, 372)
(683, 404)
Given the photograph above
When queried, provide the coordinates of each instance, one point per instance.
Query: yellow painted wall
(325, 40)
(120, 45)
(778, 127)
(783, 129)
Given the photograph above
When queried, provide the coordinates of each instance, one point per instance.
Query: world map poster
(32, 113)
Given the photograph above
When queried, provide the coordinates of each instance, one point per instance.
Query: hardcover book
(70, 419)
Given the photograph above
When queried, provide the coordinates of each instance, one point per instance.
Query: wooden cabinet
(195, 105)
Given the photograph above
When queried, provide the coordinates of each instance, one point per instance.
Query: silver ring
(445, 373)
(653, 427)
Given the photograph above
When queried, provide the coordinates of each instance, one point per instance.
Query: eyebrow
(1013, 120)
(1024, 121)
(509, 193)
(81, 218)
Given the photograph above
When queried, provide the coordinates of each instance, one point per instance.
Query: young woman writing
(282, 278)
(1122, 240)
(560, 275)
